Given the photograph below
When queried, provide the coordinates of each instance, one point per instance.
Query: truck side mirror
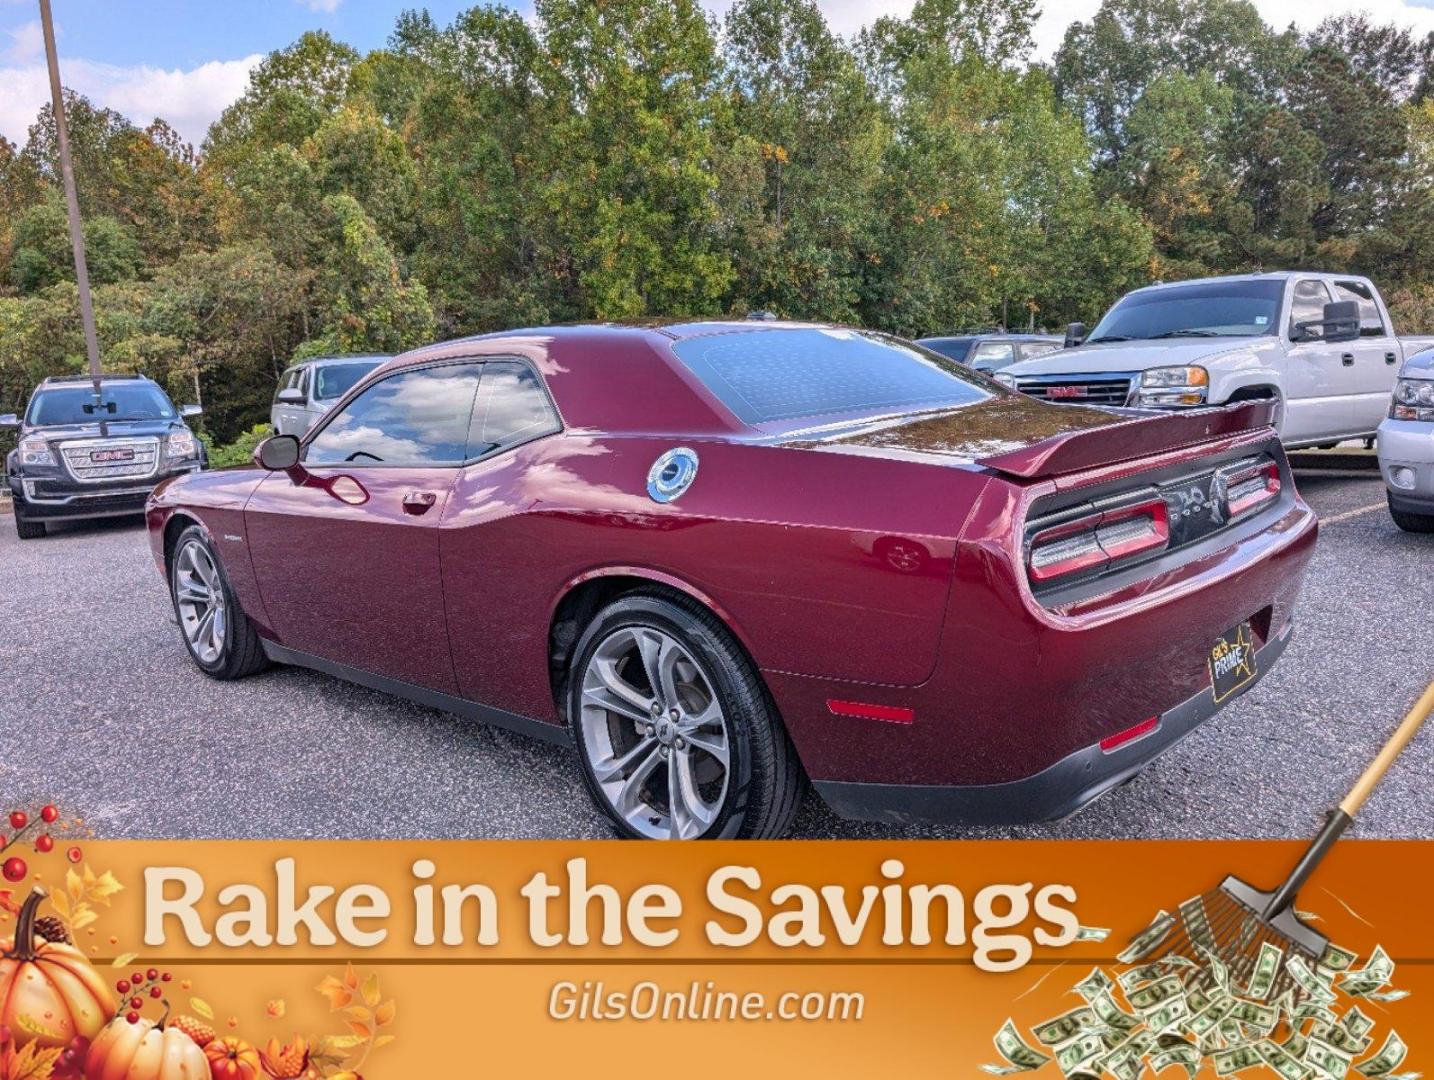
(1341, 320)
(277, 453)
(9, 420)
(1075, 334)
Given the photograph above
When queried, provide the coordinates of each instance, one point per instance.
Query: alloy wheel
(199, 600)
(655, 733)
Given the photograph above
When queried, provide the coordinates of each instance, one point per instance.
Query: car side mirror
(191, 410)
(1338, 322)
(291, 396)
(9, 420)
(1075, 334)
(277, 453)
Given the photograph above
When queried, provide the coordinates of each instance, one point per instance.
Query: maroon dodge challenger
(722, 559)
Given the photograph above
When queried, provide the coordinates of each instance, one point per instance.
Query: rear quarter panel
(822, 563)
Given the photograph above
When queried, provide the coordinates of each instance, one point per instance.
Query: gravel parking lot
(102, 711)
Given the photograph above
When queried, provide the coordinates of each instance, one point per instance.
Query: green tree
(41, 255)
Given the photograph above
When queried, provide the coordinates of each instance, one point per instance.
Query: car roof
(320, 361)
(1262, 275)
(86, 380)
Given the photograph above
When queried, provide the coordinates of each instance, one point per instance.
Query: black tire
(1414, 523)
(241, 652)
(28, 530)
(765, 783)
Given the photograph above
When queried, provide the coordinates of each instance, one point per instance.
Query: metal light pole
(67, 171)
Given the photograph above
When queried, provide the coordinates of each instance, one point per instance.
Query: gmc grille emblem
(1067, 391)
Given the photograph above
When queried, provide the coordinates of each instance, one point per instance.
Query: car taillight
(1099, 538)
(1249, 485)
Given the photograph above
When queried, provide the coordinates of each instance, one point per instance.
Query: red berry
(155, 991)
(122, 986)
(166, 977)
(19, 819)
(132, 1017)
(136, 1003)
(14, 869)
(49, 815)
(74, 854)
(152, 974)
(137, 978)
(44, 843)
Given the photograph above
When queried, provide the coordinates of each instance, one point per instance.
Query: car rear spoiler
(1140, 437)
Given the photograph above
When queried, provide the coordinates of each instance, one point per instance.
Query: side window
(304, 382)
(1370, 324)
(415, 417)
(1308, 303)
(512, 407)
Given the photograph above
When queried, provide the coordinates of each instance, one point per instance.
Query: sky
(186, 60)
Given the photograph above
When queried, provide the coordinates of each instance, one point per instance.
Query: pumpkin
(144, 1050)
(49, 993)
(233, 1059)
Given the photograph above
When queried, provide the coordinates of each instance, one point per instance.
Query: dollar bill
(1259, 1016)
(1094, 985)
(1079, 1052)
(1355, 1022)
(1064, 1028)
(1313, 1010)
(1019, 1056)
(1308, 981)
(1149, 939)
(1387, 995)
(1336, 959)
(1092, 933)
(1236, 1059)
(1144, 973)
(1112, 1015)
(1219, 973)
(1168, 1015)
(1375, 974)
(1197, 923)
(1208, 1019)
(1328, 1059)
(1281, 1060)
(1185, 1055)
(1391, 1055)
(1267, 966)
(1151, 996)
(1296, 1044)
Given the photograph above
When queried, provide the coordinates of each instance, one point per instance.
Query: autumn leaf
(276, 1008)
(337, 993)
(7, 902)
(363, 1031)
(351, 979)
(371, 993)
(202, 1007)
(359, 1013)
(383, 1040)
(32, 1062)
(123, 960)
(384, 1014)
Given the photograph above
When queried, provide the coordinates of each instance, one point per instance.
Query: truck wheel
(28, 530)
(1415, 523)
(677, 736)
(221, 640)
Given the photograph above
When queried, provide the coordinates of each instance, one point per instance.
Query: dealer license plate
(1232, 661)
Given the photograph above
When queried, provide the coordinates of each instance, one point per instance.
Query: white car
(311, 388)
(1321, 345)
(1406, 446)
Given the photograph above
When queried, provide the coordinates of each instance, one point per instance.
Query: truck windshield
(773, 376)
(118, 402)
(1209, 309)
(335, 380)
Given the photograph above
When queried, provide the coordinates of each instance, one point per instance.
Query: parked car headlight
(35, 451)
(1413, 400)
(182, 445)
(1008, 381)
(1183, 385)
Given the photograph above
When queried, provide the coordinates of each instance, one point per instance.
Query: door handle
(1347, 359)
(418, 502)
(1390, 358)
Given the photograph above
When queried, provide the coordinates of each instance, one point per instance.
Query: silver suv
(310, 389)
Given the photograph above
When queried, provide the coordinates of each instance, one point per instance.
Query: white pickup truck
(1320, 344)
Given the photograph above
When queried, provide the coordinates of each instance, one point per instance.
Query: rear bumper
(1055, 792)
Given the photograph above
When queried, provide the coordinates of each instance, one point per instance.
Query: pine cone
(52, 929)
(197, 1030)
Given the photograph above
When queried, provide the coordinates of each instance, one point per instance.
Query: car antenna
(72, 203)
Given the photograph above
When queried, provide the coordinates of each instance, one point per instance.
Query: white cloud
(190, 100)
(27, 41)
(324, 7)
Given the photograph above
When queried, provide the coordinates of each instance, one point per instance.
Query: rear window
(335, 380)
(768, 376)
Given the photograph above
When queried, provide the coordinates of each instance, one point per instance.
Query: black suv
(82, 458)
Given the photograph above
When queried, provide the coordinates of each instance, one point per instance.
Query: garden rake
(1231, 923)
